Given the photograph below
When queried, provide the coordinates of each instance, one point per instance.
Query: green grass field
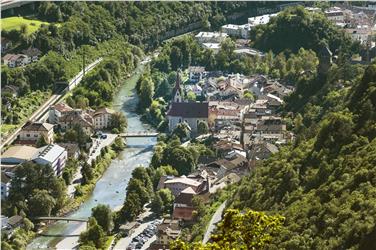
(11, 23)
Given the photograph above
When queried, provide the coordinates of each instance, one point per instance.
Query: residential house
(233, 162)
(32, 54)
(34, 131)
(5, 44)
(54, 156)
(5, 185)
(261, 150)
(102, 118)
(196, 73)
(178, 184)
(183, 205)
(13, 60)
(234, 30)
(57, 111)
(77, 117)
(18, 154)
(335, 14)
(73, 150)
(167, 231)
(271, 127)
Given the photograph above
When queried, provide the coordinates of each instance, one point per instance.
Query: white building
(361, 33)
(102, 118)
(234, 30)
(32, 132)
(52, 155)
(213, 46)
(196, 73)
(257, 20)
(58, 111)
(13, 60)
(335, 14)
(211, 37)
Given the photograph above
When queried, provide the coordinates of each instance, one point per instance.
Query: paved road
(212, 225)
(42, 110)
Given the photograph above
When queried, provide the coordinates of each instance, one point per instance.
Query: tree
(137, 186)
(28, 225)
(179, 158)
(94, 235)
(181, 130)
(146, 93)
(167, 199)
(249, 230)
(191, 96)
(249, 96)
(118, 121)
(41, 203)
(103, 215)
(87, 173)
(202, 128)
(157, 205)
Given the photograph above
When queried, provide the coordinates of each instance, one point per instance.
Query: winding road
(214, 220)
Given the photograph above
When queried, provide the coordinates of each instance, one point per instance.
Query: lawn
(11, 23)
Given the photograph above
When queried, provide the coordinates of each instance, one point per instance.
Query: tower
(177, 92)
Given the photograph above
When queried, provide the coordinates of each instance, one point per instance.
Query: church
(183, 111)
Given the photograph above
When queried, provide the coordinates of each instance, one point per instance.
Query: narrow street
(214, 220)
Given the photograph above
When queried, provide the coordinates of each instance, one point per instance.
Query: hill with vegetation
(324, 184)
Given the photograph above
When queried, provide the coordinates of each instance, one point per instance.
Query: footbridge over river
(139, 134)
(67, 219)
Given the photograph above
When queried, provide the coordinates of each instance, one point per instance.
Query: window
(28, 135)
(179, 120)
(35, 135)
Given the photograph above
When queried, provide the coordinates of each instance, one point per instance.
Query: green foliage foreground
(237, 230)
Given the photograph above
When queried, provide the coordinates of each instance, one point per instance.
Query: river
(111, 187)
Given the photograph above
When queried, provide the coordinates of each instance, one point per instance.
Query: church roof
(189, 109)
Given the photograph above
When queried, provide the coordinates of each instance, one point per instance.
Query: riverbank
(110, 188)
(87, 189)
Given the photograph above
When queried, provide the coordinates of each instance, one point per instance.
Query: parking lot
(143, 235)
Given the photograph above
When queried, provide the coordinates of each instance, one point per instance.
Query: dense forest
(324, 184)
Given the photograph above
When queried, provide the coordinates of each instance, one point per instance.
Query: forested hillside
(324, 185)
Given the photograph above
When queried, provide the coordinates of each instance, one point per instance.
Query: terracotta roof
(74, 118)
(38, 126)
(62, 107)
(189, 109)
(183, 179)
(104, 111)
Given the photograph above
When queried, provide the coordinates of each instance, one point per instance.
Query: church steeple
(177, 92)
